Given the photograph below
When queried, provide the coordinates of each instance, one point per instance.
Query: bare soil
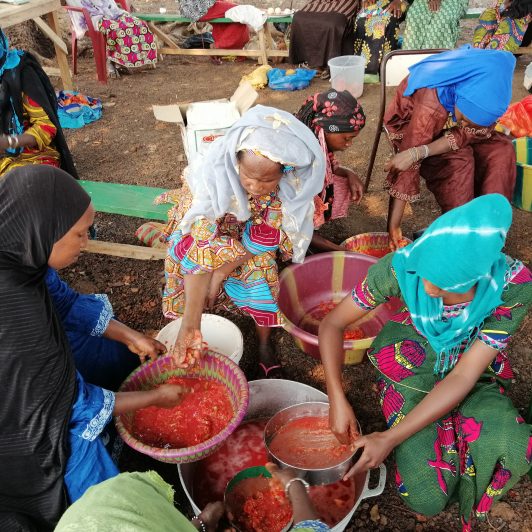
(129, 146)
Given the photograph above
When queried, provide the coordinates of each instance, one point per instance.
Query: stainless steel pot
(314, 477)
(267, 397)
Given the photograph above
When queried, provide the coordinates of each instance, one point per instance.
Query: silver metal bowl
(314, 477)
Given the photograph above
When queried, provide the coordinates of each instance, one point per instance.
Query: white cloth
(97, 10)
(250, 15)
(215, 182)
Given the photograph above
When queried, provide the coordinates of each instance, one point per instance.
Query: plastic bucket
(523, 185)
(221, 335)
(347, 74)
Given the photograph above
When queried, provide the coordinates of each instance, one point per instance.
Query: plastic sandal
(267, 370)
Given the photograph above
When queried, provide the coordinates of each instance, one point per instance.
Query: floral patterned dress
(479, 450)
(251, 288)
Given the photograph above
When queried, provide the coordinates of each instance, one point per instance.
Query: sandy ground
(129, 146)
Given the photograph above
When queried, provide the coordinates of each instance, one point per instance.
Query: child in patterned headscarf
(336, 118)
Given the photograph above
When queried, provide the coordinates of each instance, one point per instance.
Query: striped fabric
(348, 8)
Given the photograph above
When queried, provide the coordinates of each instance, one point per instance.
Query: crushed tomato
(266, 510)
(204, 411)
(319, 312)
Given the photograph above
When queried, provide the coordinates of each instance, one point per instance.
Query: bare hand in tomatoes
(377, 446)
(169, 395)
(188, 347)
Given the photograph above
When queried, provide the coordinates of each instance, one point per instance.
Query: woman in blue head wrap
(442, 370)
(30, 130)
(441, 124)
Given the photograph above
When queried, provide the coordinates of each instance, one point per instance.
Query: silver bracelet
(298, 479)
(10, 141)
(15, 138)
(426, 149)
(201, 524)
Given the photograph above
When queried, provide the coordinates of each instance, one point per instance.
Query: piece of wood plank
(263, 57)
(127, 200)
(125, 250)
(11, 14)
(52, 71)
(62, 57)
(163, 36)
(50, 34)
(209, 52)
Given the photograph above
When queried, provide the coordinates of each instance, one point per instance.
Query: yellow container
(523, 186)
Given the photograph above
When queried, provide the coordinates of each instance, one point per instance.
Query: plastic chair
(98, 42)
(394, 68)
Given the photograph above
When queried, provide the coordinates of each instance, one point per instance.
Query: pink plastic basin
(328, 277)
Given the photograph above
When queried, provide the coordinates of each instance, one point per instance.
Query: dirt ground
(128, 146)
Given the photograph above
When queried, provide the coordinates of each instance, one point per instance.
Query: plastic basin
(221, 335)
(347, 74)
(523, 185)
(326, 277)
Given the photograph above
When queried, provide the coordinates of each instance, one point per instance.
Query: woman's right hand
(342, 421)
(434, 5)
(188, 347)
(395, 8)
(398, 163)
(396, 238)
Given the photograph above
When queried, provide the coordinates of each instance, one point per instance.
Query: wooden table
(35, 10)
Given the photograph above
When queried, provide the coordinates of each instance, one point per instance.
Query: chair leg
(98, 44)
(74, 53)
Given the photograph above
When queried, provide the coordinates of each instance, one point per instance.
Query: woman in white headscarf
(250, 197)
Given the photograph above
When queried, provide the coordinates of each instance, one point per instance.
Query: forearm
(19, 141)
(321, 243)
(196, 289)
(119, 332)
(228, 268)
(396, 209)
(331, 344)
(301, 503)
(439, 146)
(129, 401)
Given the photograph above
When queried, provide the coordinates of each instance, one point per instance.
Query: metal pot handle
(379, 488)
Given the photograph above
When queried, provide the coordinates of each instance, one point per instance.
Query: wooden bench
(126, 200)
(264, 52)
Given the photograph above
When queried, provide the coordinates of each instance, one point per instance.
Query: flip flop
(267, 370)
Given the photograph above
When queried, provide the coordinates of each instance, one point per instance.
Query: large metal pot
(314, 477)
(266, 398)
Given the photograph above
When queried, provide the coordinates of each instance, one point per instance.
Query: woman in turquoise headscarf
(442, 370)
(441, 124)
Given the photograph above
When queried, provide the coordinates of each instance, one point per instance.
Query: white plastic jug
(347, 74)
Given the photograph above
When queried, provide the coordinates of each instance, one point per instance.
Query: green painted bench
(126, 200)
(264, 52)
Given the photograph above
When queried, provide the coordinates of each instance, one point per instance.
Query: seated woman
(377, 30)
(336, 118)
(107, 506)
(321, 30)
(105, 350)
(503, 27)
(129, 41)
(433, 24)
(226, 36)
(454, 99)
(249, 198)
(441, 367)
(31, 133)
(51, 419)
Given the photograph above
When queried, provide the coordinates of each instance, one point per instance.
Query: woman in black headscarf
(30, 128)
(50, 419)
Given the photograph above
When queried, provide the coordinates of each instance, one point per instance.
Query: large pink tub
(326, 277)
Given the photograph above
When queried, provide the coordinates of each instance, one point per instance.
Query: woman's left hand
(145, 347)
(395, 8)
(434, 5)
(356, 187)
(377, 446)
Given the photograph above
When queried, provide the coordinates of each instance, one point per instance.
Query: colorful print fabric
(130, 42)
(475, 453)
(251, 288)
(433, 29)
(498, 32)
(37, 124)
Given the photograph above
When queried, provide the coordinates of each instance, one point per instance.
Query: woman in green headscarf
(442, 370)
